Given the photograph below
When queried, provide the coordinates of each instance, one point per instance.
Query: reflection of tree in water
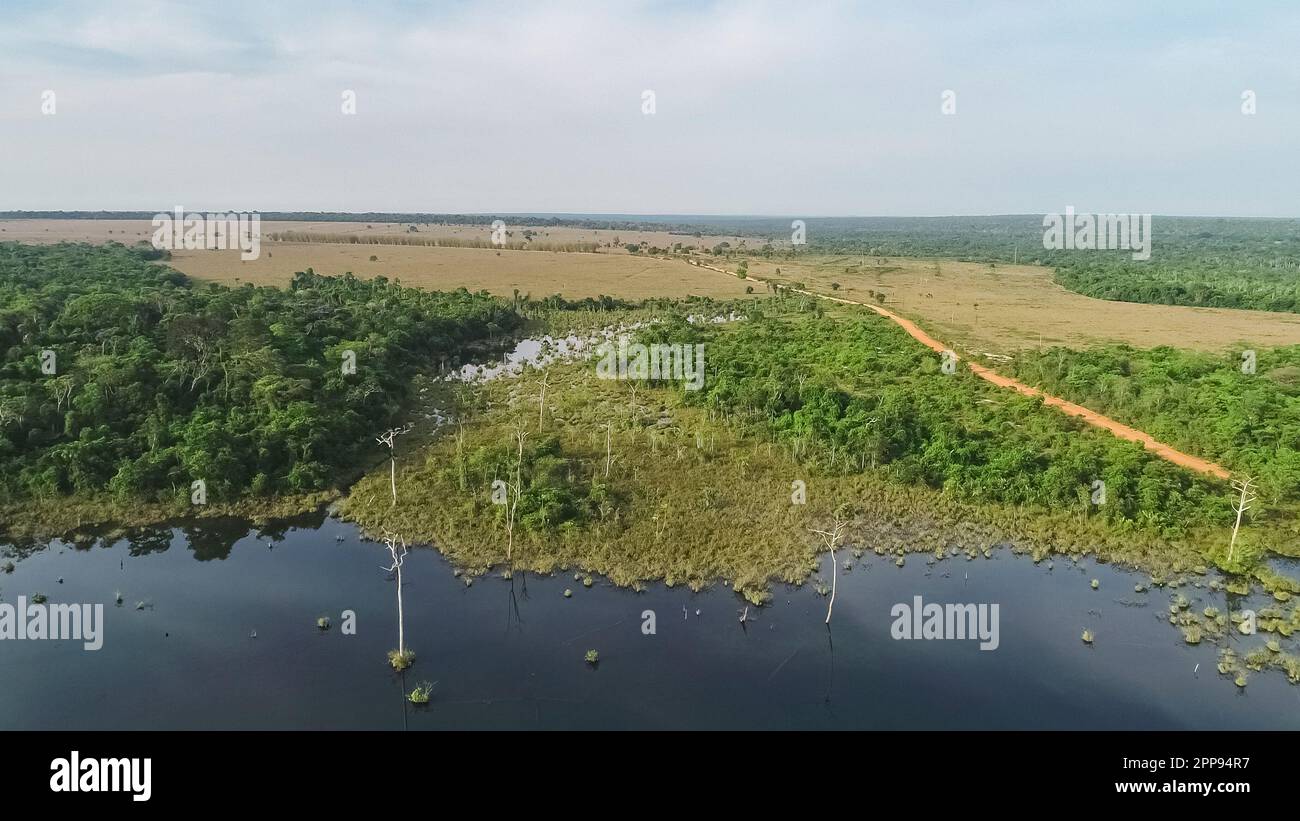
(84, 540)
(20, 548)
(146, 540)
(208, 538)
(512, 610)
(276, 530)
(213, 538)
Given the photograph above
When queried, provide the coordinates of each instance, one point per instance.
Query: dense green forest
(157, 382)
(858, 393)
(1220, 407)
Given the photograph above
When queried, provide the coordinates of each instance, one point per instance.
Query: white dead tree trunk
(388, 438)
(517, 490)
(1244, 486)
(391, 542)
(832, 537)
(541, 410)
(609, 432)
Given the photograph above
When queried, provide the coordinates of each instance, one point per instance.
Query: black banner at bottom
(139, 771)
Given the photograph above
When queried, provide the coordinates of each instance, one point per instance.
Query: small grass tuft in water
(1087, 637)
(1095, 584)
(401, 660)
(421, 693)
(323, 622)
(593, 658)
(568, 594)
(38, 598)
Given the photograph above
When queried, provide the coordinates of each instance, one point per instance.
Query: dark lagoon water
(510, 653)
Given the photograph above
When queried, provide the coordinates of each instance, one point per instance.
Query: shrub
(421, 693)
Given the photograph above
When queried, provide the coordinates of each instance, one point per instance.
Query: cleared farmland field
(129, 231)
(983, 308)
(539, 273)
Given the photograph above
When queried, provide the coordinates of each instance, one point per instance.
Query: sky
(783, 109)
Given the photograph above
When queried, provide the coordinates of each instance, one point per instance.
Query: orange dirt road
(1091, 417)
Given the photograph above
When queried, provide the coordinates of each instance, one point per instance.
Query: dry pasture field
(131, 231)
(986, 309)
(539, 273)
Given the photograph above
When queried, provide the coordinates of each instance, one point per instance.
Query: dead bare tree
(541, 410)
(1247, 498)
(388, 438)
(516, 490)
(609, 432)
(831, 538)
(402, 660)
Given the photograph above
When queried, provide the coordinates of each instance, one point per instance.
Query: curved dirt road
(1091, 417)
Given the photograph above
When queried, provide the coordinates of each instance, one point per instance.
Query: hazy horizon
(134, 213)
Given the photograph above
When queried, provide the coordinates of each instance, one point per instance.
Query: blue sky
(803, 109)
